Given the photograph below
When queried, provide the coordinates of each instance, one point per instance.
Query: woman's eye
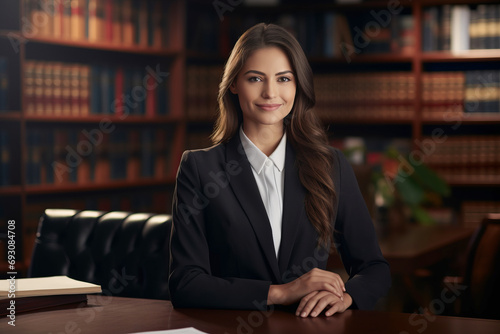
(254, 79)
(284, 79)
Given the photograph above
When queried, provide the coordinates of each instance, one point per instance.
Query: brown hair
(303, 128)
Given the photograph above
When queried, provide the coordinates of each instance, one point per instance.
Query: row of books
(120, 22)
(469, 91)
(357, 96)
(4, 158)
(330, 113)
(4, 84)
(55, 88)
(448, 87)
(145, 200)
(202, 84)
(460, 27)
(469, 174)
(473, 212)
(365, 88)
(325, 34)
(465, 150)
(92, 156)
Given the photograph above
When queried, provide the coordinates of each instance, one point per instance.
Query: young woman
(255, 216)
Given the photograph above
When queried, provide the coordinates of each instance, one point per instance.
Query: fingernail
(313, 314)
(327, 314)
(304, 314)
(297, 314)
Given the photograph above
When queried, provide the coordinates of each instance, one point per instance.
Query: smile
(268, 107)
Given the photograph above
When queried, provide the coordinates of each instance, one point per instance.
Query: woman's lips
(269, 107)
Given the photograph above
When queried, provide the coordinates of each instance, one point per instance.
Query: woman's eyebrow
(263, 74)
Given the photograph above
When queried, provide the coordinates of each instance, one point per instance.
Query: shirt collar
(257, 158)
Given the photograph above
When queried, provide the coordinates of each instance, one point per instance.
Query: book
(28, 304)
(47, 286)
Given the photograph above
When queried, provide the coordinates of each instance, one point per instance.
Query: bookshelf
(137, 113)
(422, 114)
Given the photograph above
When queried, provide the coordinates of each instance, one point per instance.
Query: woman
(255, 215)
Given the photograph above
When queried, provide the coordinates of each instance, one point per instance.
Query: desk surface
(421, 246)
(126, 315)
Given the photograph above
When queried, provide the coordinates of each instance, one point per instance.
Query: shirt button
(269, 163)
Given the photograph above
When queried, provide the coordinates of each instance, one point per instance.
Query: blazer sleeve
(191, 282)
(356, 242)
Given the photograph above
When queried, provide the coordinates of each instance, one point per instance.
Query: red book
(118, 103)
(108, 17)
(151, 97)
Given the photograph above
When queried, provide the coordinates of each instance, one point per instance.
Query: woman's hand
(314, 280)
(317, 301)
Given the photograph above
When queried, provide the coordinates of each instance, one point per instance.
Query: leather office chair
(482, 274)
(126, 253)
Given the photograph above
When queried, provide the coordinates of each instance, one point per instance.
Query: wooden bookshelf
(88, 187)
(416, 62)
(20, 197)
(133, 119)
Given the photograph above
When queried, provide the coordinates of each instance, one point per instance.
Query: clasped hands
(318, 291)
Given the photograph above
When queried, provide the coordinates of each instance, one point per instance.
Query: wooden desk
(125, 315)
(419, 247)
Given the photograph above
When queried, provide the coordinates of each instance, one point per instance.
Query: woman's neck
(266, 138)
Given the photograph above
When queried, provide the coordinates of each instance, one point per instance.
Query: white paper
(187, 330)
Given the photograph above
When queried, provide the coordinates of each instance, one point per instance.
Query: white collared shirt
(258, 160)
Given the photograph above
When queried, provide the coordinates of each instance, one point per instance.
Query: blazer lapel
(293, 207)
(246, 191)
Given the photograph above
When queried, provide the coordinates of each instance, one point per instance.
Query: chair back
(482, 276)
(126, 253)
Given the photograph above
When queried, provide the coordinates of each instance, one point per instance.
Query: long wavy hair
(314, 158)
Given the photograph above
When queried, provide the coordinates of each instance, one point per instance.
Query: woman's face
(266, 87)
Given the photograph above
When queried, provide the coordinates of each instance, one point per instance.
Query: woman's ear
(232, 88)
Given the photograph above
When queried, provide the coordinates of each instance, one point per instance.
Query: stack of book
(55, 89)
(31, 294)
(365, 95)
(118, 22)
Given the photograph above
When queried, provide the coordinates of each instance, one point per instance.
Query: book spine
(84, 90)
(75, 89)
(57, 106)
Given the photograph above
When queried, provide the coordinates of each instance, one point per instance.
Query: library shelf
(10, 115)
(87, 187)
(465, 119)
(20, 48)
(482, 55)
(83, 44)
(365, 58)
(460, 182)
(368, 120)
(10, 190)
(100, 118)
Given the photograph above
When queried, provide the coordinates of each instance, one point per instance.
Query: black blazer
(222, 252)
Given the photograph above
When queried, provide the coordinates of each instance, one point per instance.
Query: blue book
(95, 90)
(147, 153)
